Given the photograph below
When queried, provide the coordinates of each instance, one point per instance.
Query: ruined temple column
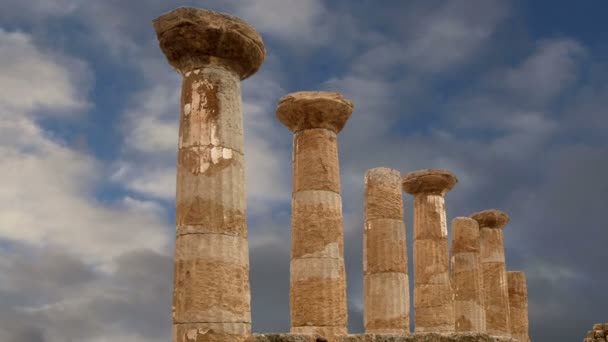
(518, 305)
(213, 52)
(466, 276)
(494, 273)
(433, 295)
(386, 290)
(318, 277)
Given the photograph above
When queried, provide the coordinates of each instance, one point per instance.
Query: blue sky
(511, 96)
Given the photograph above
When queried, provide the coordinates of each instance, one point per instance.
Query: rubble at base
(419, 337)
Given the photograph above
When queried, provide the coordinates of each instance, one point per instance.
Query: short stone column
(213, 52)
(317, 275)
(386, 290)
(518, 305)
(466, 276)
(492, 247)
(433, 295)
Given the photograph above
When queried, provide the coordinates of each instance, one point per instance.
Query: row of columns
(211, 299)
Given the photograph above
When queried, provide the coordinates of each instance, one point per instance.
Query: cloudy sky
(509, 95)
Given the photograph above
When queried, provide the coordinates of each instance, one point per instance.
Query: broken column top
(428, 181)
(516, 280)
(314, 109)
(491, 218)
(382, 175)
(465, 235)
(193, 38)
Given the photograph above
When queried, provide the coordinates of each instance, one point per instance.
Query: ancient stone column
(466, 276)
(518, 305)
(433, 295)
(494, 273)
(213, 52)
(386, 290)
(318, 278)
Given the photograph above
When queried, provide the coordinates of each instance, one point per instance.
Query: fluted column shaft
(317, 273)
(211, 296)
(386, 291)
(494, 272)
(518, 306)
(467, 276)
(433, 295)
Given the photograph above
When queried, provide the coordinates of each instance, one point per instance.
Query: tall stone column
(318, 277)
(466, 276)
(433, 295)
(213, 52)
(386, 290)
(518, 305)
(494, 272)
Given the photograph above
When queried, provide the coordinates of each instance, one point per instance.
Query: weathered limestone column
(433, 295)
(518, 305)
(386, 290)
(492, 247)
(318, 277)
(213, 52)
(466, 276)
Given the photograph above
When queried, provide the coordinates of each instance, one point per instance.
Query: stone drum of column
(386, 291)
(433, 295)
(518, 305)
(213, 52)
(494, 273)
(317, 274)
(466, 276)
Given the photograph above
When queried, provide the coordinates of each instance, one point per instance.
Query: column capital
(428, 181)
(491, 218)
(193, 38)
(314, 109)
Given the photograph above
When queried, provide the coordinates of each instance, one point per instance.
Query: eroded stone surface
(518, 306)
(428, 181)
(433, 294)
(314, 109)
(192, 38)
(467, 276)
(491, 218)
(383, 194)
(316, 165)
(384, 246)
(211, 332)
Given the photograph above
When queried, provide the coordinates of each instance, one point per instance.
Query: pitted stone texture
(384, 246)
(465, 235)
(212, 202)
(323, 333)
(433, 294)
(428, 181)
(316, 165)
(314, 109)
(319, 301)
(491, 218)
(192, 38)
(383, 194)
(518, 306)
(287, 338)
(206, 93)
(467, 276)
(492, 245)
(386, 303)
(317, 227)
(425, 337)
(211, 332)
(496, 300)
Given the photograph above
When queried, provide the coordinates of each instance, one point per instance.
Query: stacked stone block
(467, 279)
(433, 295)
(318, 277)
(386, 292)
(518, 305)
(495, 288)
(213, 52)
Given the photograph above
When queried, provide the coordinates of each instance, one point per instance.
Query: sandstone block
(384, 246)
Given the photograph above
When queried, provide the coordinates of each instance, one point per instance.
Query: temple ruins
(471, 298)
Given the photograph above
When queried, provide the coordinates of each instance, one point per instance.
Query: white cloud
(32, 79)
